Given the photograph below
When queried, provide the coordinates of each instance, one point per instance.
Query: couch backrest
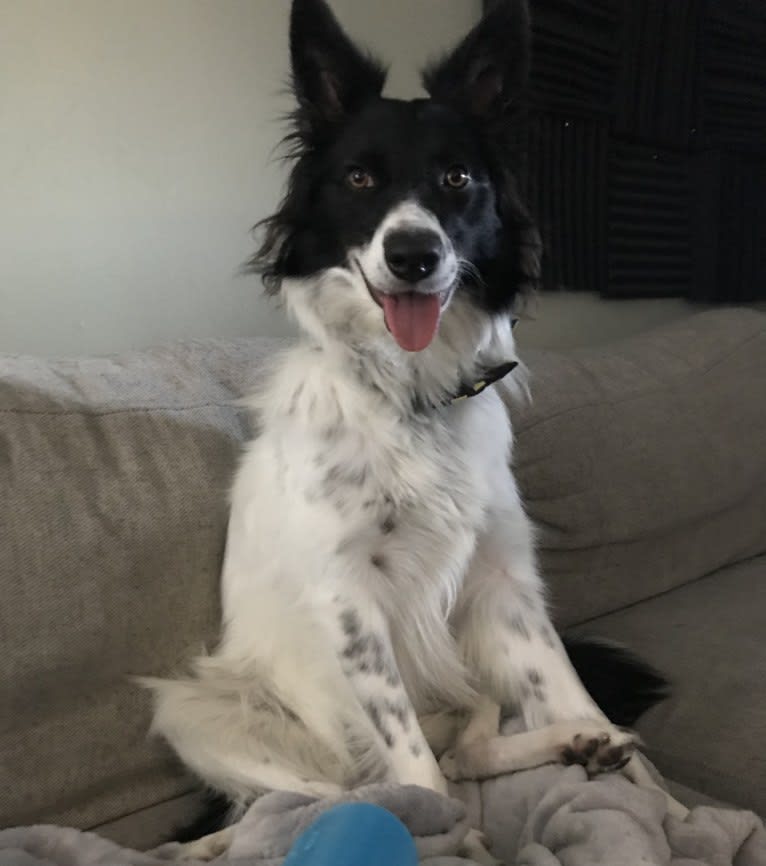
(113, 477)
(644, 465)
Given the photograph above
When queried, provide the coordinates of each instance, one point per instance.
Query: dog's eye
(457, 177)
(358, 178)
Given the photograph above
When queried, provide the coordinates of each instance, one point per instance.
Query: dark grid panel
(733, 73)
(649, 222)
(657, 82)
(575, 56)
(730, 226)
(565, 185)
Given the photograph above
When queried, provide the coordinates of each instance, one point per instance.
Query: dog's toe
(474, 848)
(448, 766)
(599, 748)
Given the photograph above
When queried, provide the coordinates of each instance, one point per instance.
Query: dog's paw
(463, 763)
(449, 767)
(599, 747)
(474, 847)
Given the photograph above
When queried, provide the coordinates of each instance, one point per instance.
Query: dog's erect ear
(331, 76)
(489, 68)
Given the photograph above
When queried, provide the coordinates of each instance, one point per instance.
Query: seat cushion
(708, 636)
(643, 463)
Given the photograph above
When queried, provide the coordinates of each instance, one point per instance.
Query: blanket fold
(550, 816)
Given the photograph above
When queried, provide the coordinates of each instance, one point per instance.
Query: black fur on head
(342, 121)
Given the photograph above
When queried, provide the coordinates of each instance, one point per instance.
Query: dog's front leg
(505, 633)
(369, 665)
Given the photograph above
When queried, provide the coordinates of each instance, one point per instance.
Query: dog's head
(397, 211)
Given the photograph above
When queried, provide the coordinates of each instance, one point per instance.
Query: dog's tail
(623, 685)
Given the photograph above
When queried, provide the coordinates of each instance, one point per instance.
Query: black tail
(215, 815)
(623, 685)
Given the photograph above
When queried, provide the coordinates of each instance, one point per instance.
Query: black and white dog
(383, 613)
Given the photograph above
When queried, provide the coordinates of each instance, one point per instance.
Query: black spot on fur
(540, 695)
(388, 525)
(535, 677)
(379, 561)
(415, 750)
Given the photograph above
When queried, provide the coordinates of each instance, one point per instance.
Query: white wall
(135, 146)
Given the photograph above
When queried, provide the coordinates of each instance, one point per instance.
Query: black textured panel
(730, 228)
(649, 222)
(733, 109)
(574, 59)
(657, 82)
(565, 187)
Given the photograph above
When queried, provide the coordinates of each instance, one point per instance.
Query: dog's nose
(412, 254)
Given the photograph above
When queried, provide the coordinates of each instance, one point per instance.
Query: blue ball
(354, 834)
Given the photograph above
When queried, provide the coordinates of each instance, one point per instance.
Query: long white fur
(380, 577)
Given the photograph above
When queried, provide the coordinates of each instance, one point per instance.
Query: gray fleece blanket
(550, 816)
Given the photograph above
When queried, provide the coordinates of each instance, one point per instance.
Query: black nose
(412, 254)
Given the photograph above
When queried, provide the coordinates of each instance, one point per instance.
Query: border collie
(383, 613)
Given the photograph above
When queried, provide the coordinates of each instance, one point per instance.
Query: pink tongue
(412, 318)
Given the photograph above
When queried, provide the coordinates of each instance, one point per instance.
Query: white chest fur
(342, 493)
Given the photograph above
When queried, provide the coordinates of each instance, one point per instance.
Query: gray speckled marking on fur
(373, 711)
(540, 695)
(366, 653)
(294, 401)
(379, 562)
(345, 476)
(400, 711)
(392, 677)
(331, 432)
(548, 637)
(517, 625)
(352, 625)
(388, 525)
(415, 750)
(535, 677)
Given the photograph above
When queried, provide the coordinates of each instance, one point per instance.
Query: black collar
(488, 377)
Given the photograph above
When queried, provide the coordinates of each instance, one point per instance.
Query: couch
(643, 463)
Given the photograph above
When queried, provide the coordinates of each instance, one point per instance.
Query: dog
(384, 617)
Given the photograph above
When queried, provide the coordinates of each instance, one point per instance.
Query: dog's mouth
(412, 318)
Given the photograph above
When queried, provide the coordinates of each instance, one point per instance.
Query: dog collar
(488, 377)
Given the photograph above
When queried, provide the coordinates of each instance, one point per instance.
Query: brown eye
(358, 178)
(457, 177)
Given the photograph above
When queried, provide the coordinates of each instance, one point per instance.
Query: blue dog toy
(354, 834)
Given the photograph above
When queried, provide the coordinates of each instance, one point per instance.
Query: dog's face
(394, 207)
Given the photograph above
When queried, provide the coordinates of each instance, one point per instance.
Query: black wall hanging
(644, 147)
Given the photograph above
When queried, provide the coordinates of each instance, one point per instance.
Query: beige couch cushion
(113, 475)
(709, 637)
(643, 463)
